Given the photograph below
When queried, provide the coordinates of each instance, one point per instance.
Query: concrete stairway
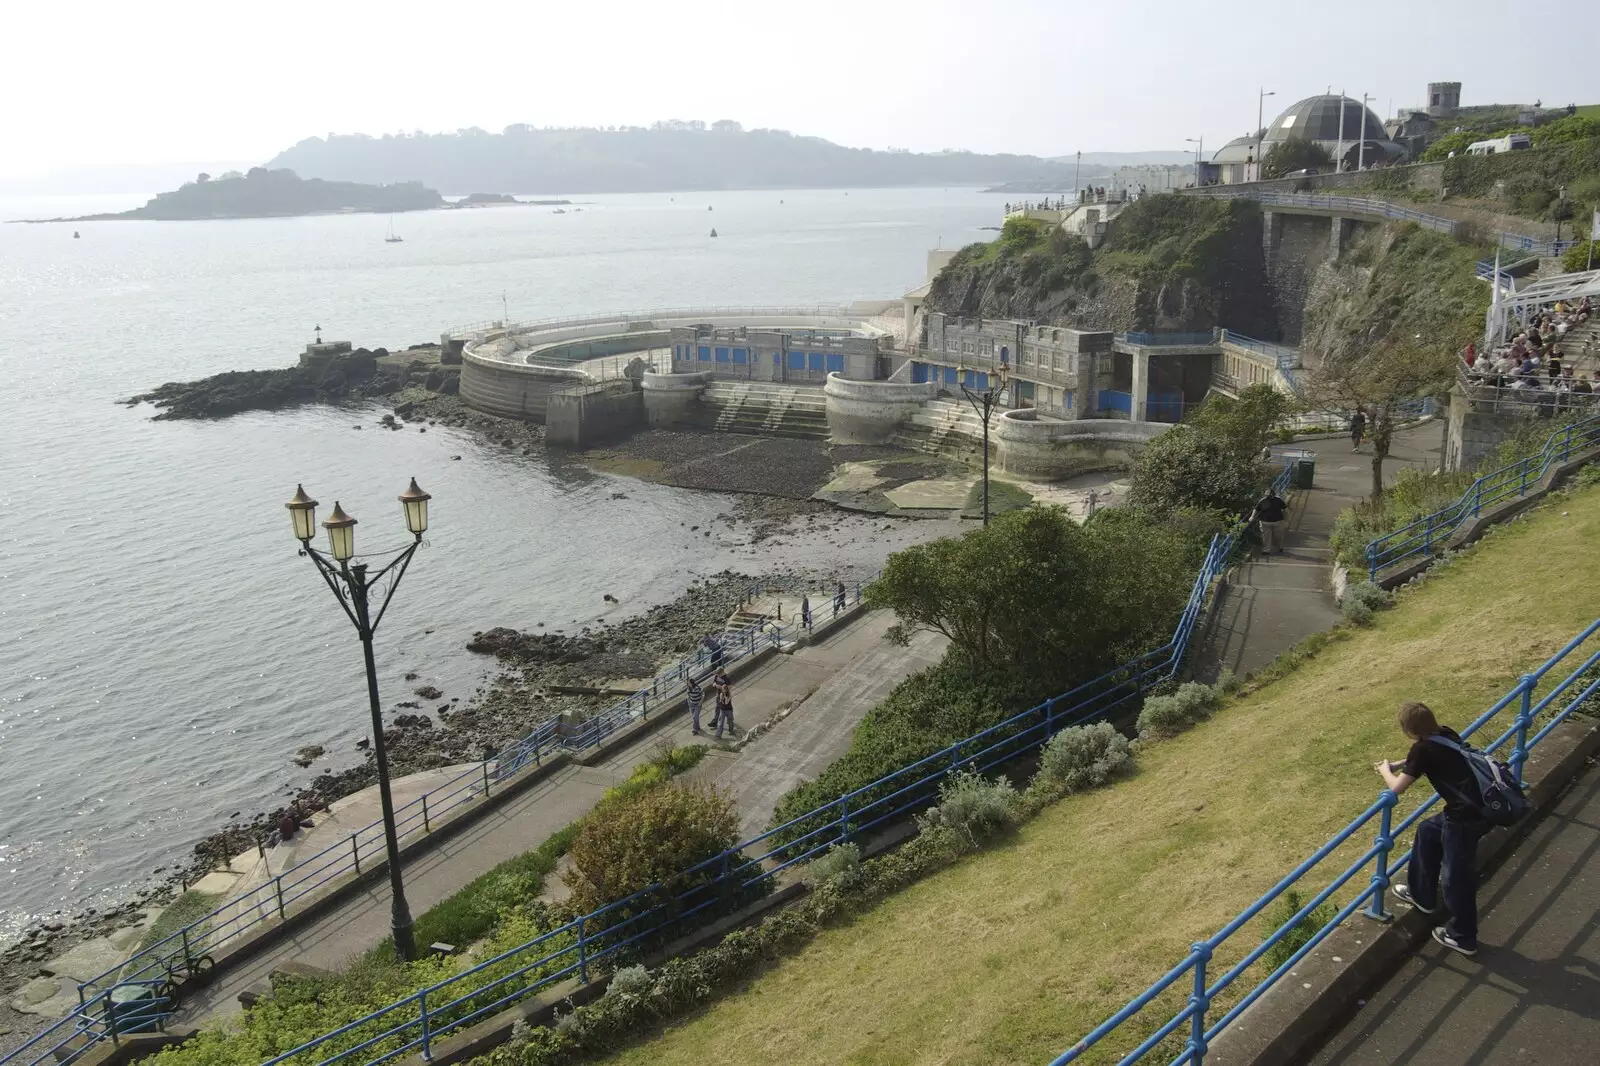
(950, 428)
(763, 409)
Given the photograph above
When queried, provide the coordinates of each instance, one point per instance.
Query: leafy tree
(1285, 157)
(1190, 466)
(1581, 255)
(1248, 421)
(626, 846)
(1450, 142)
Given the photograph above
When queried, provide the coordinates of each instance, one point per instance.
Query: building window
(722, 355)
(705, 354)
(1066, 399)
(740, 355)
(1005, 354)
(797, 360)
(1060, 363)
(815, 361)
(835, 364)
(1027, 355)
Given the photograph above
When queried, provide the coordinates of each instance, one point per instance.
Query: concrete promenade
(1532, 993)
(828, 686)
(1271, 604)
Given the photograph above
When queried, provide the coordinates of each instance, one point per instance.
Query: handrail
(1285, 357)
(1425, 535)
(365, 847)
(1196, 1011)
(839, 310)
(457, 1001)
(1366, 206)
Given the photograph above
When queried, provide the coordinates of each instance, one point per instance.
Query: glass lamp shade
(303, 512)
(341, 534)
(415, 504)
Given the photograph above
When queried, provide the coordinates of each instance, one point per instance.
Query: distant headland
(262, 193)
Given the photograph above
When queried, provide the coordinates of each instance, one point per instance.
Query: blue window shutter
(705, 354)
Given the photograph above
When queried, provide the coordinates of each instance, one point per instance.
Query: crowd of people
(1094, 194)
(1535, 363)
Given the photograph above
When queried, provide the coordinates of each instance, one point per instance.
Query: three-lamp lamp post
(352, 586)
(984, 402)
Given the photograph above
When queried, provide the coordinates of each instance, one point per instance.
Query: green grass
(1003, 497)
(1019, 950)
(189, 907)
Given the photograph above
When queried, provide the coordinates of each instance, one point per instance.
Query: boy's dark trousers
(1446, 849)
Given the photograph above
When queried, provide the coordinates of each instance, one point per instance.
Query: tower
(1444, 98)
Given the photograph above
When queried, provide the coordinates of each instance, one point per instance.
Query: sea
(163, 649)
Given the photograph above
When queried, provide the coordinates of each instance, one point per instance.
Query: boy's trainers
(1402, 893)
(1451, 942)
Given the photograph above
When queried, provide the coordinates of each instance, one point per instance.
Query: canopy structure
(1513, 308)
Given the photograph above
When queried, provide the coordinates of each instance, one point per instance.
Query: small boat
(393, 237)
(708, 207)
(559, 211)
(74, 234)
(713, 231)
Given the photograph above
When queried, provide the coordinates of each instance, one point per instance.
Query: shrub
(840, 864)
(1355, 611)
(1167, 716)
(1082, 757)
(630, 981)
(1369, 594)
(1288, 904)
(971, 805)
(1580, 255)
(626, 846)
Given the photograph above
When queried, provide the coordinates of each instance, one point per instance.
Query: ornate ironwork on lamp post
(352, 586)
(984, 402)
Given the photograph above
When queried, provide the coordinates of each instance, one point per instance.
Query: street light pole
(1260, 100)
(1361, 152)
(1199, 146)
(984, 404)
(352, 587)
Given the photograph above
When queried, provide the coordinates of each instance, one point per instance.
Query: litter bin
(1305, 469)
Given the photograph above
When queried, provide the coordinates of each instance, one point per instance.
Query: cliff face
(1169, 262)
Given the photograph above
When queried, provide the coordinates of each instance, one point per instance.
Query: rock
(429, 692)
(454, 458)
(412, 676)
(358, 427)
(413, 721)
(363, 744)
(308, 755)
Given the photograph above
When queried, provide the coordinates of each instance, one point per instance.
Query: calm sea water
(163, 651)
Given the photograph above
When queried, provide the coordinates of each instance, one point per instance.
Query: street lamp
(351, 586)
(1260, 100)
(1361, 152)
(1199, 147)
(984, 403)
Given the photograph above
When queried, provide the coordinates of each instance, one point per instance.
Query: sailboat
(393, 237)
(713, 232)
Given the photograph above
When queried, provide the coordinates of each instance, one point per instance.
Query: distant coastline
(262, 193)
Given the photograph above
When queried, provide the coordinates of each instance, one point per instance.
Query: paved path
(1532, 993)
(848, 671)
(1273, 603)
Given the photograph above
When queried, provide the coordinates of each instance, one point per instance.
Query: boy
(696, 698)
(1448, 840)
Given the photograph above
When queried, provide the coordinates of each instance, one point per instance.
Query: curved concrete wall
(668, 398)
(869, 412)
(509, 389)
(1048, 450)
(576, 351)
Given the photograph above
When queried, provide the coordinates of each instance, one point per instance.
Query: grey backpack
(1502, 801)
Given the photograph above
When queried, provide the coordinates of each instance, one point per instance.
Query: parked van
(1514, 142)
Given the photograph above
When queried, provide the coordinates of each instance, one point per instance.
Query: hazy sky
(172, 80)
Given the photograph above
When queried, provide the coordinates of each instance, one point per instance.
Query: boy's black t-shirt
(1447, 771)
(1271, 509)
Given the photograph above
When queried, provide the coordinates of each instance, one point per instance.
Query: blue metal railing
(1282, 355)
(1430, 532)
(1157, 338)
(1357, 205)
(1384, 864)
(460, 1000)
(274, 897)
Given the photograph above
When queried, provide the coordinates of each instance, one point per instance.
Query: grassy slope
(1021, 949)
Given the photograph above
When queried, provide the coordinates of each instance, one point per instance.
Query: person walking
(1444, 855)
(1272, 514)
(697, 696)
(838, 599)
(805, 611)
(724, 707)
(1358, 428)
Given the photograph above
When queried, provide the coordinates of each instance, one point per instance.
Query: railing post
(1198, 1002)
(355, 852)
(1372, 564)
(422, 1010)
(844, 818)
(1522, 487)
(427, 827)
(111, 1018)
(486, 777)
(277, 884)
(188, 952)
(1049, 718)
(583, 953)
(1380, 873)
(1519, 754)
(1427, 535)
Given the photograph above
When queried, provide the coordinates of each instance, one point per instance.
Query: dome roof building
(1316, 118)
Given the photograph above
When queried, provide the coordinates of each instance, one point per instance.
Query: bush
(1288, 904)
(1190, 466)
(1082, 757)
(1580, 255)
(626, 846)
(630, 981)
(1369, 594)
(1355, 611)
(1167, 716)
(971, 805)
(840, 864)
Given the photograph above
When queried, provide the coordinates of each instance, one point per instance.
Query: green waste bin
(1305, 469)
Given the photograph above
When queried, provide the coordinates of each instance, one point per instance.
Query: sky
(114, 83)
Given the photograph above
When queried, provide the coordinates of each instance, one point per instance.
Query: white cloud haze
(99, 82)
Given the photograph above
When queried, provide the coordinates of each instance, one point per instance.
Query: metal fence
(1380, 859)
(741, 872)
(471, 329)
(1283, 357)
(1175, 337)
(1428, 533)
(276, 897)
(1357, 205)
